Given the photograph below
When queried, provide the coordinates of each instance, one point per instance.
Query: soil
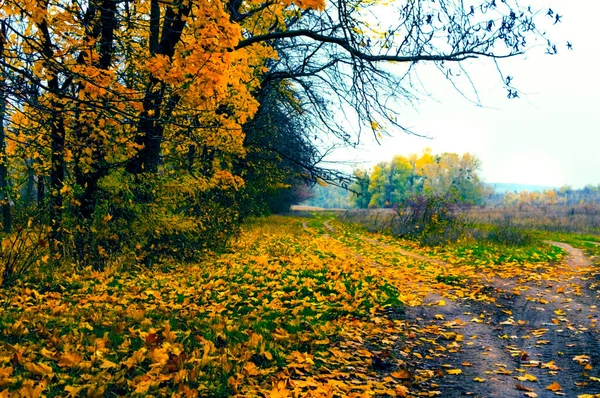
(530, 327)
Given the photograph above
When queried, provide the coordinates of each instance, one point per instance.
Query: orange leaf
(523, 388)
(402, 374)
(554, 387)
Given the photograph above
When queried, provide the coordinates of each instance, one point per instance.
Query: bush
(150, 218)
(431, 219)
(23, 249)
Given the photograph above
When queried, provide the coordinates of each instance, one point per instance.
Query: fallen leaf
(401, 374)
(523, 388)
(526, 377)
(40, 369)
(554, 387)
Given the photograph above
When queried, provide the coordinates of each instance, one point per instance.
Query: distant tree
(359, 193)
(457, 175)
(445, 175)
(389, 182)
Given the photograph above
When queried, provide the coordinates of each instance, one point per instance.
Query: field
(312, 306)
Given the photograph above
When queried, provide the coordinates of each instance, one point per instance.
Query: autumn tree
(359, 193)
(456, 175)
(389, 182)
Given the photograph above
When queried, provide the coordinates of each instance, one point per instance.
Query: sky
(550, 136)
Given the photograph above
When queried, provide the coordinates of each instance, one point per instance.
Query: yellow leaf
(159, 356)
(526, 377)
(39, 369)
(479, 379)
(73, 390)
(401, 391)
(106, 364)
(280, 390)
(554, 387)
(582, 359)
(454, 371)
(250, 369)
(401, 374)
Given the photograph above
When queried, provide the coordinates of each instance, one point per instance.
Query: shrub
(154, 218)
(23, 249)
(431, 219)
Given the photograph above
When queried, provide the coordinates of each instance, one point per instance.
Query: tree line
(388, 184)
(563, 196)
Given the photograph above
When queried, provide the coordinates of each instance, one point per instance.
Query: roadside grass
(475, 249)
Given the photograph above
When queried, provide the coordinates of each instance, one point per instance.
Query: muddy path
(532, 335)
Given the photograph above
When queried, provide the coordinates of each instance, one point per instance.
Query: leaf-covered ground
(304, 307)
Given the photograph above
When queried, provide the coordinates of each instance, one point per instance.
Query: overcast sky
(548, 137)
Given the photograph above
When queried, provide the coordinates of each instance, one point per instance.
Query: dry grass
(372, 219)
(554, 218)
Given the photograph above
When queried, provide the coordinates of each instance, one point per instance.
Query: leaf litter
(293, 313)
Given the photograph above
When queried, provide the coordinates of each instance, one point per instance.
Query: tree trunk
(150, 127)
(57, 176)
(4, 199)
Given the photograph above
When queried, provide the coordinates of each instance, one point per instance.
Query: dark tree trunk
(57, 176)
(150, 132)
(41, 192)
(57, 147)
(4, 199)
(150, 127)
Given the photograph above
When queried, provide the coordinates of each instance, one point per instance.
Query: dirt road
(538, 339)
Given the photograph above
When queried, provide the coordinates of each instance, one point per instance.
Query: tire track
(545, 328)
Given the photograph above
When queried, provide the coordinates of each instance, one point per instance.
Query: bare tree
(360, 57)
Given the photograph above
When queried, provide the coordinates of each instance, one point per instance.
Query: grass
(237, 325)
(482, 245)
